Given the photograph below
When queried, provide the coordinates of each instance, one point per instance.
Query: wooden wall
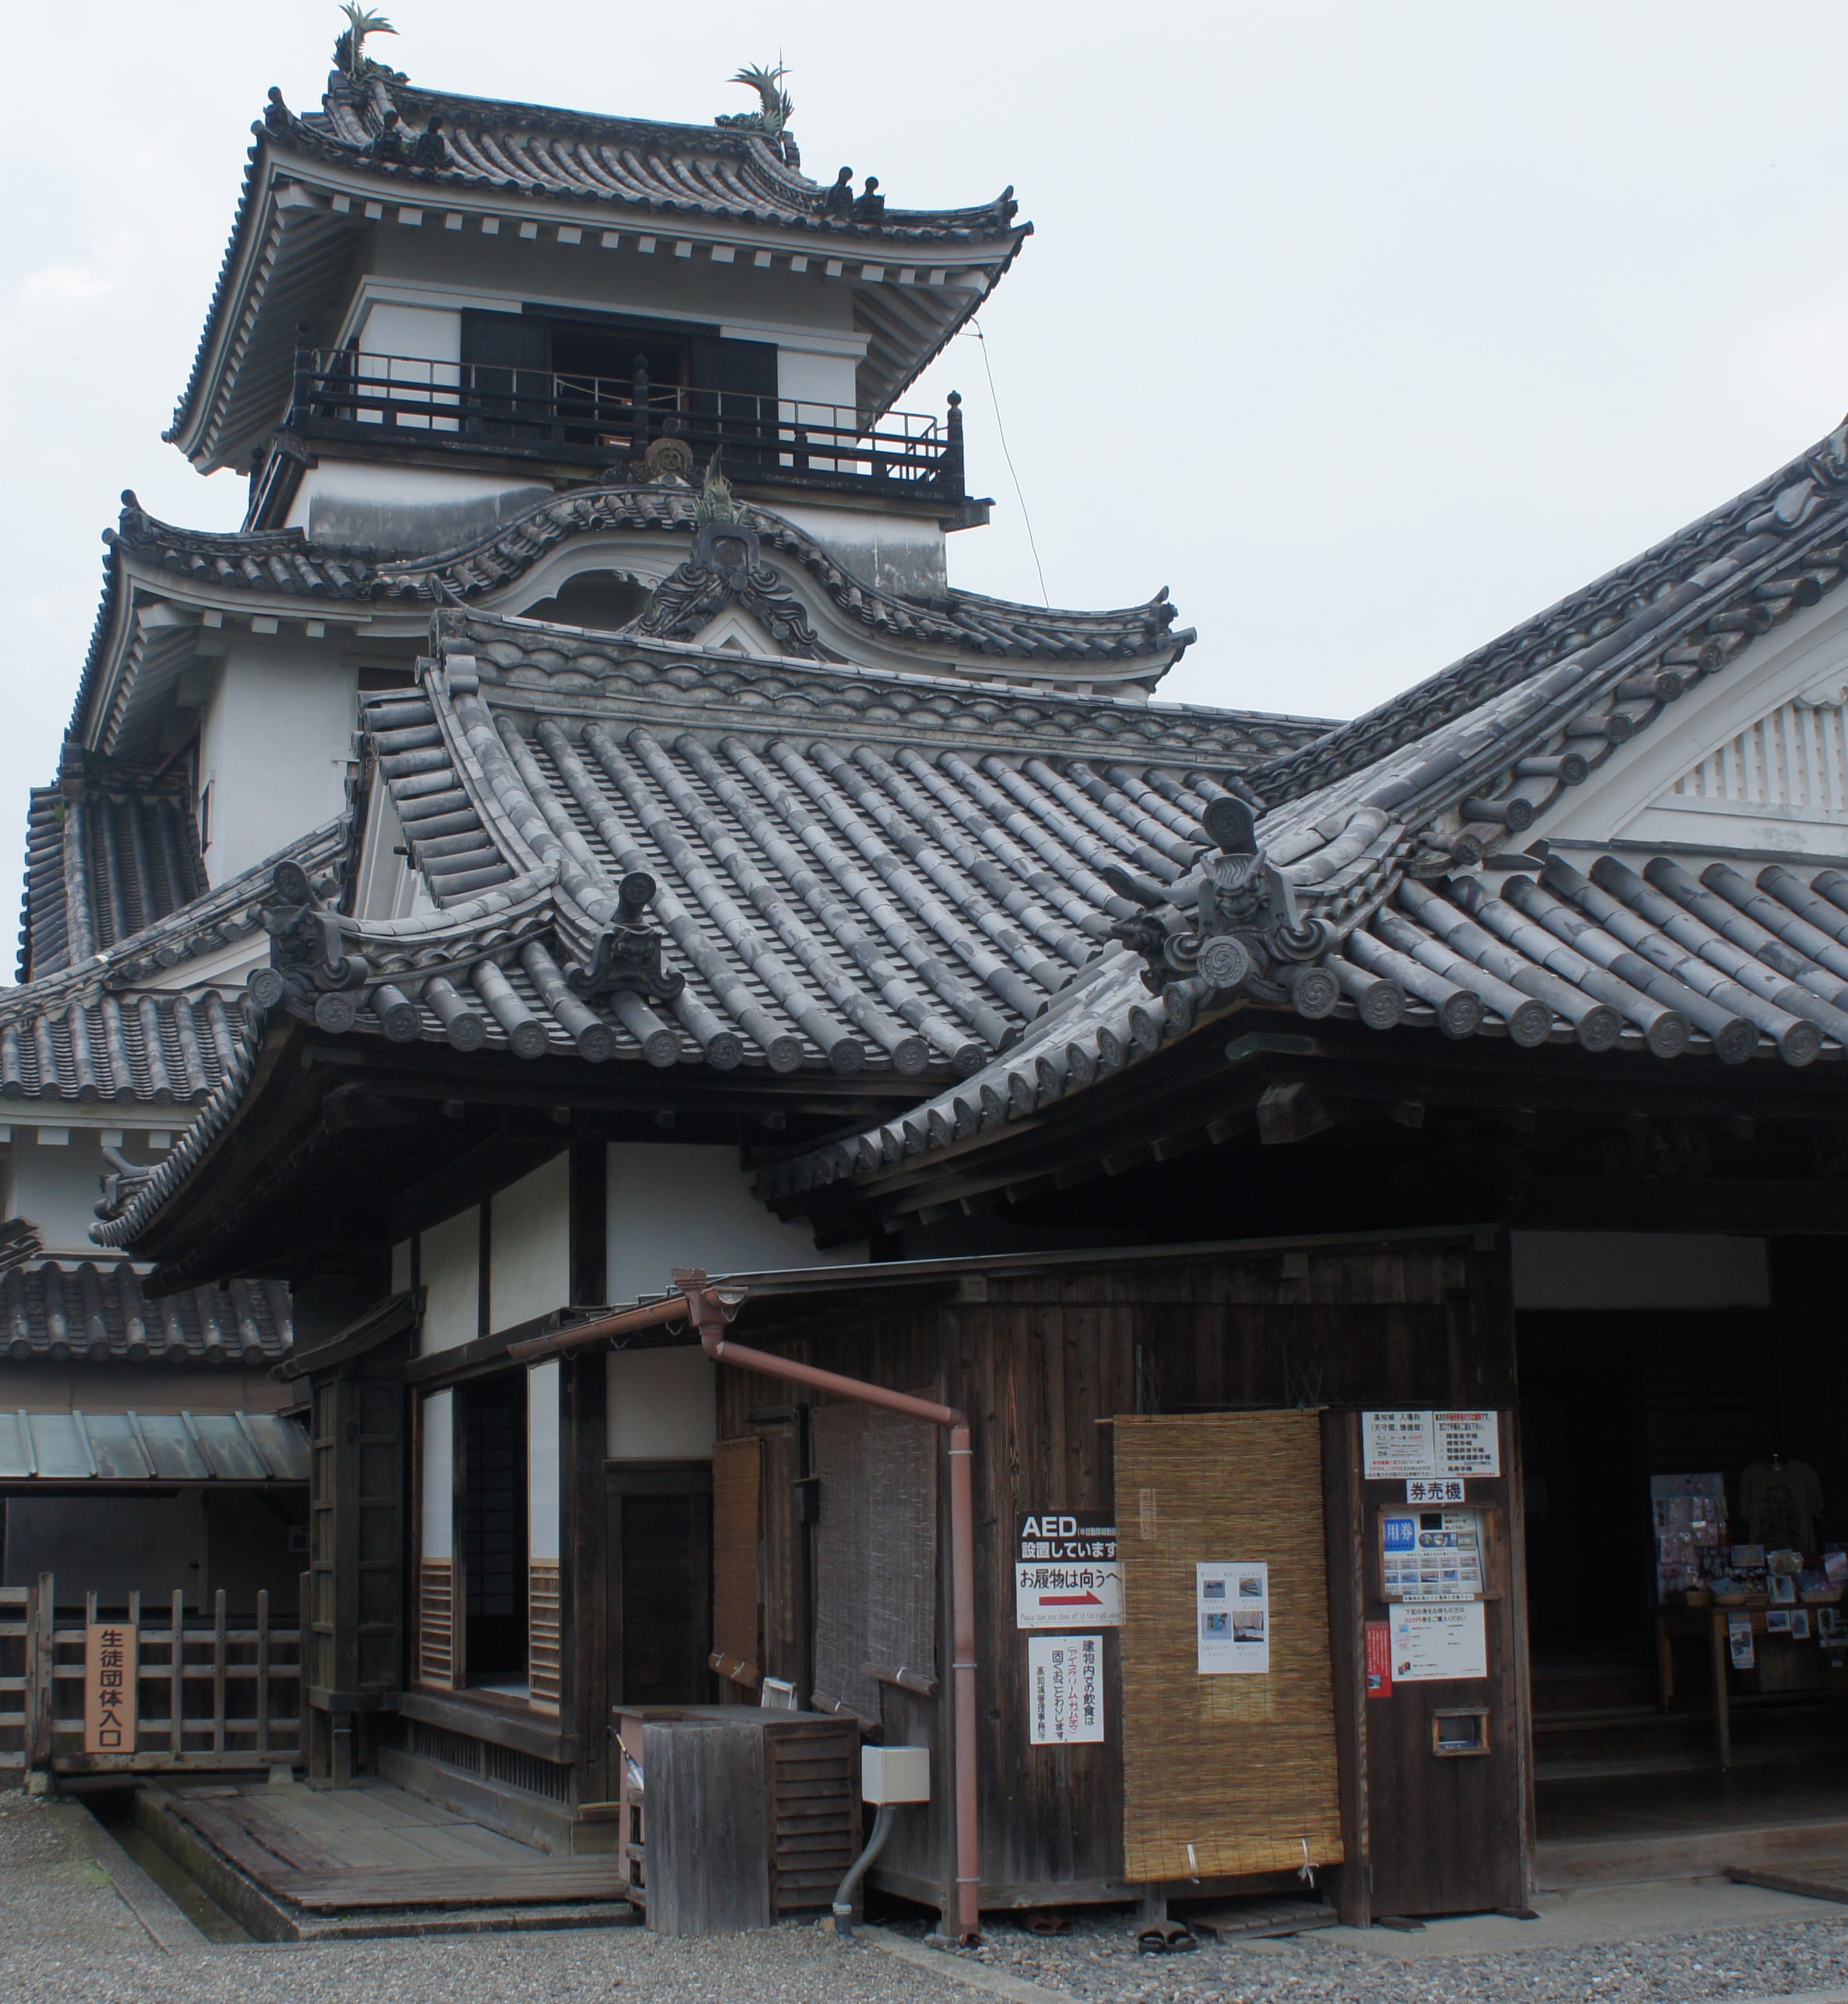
(1037, 1360)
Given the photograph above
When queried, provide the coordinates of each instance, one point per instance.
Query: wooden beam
(1291, 1111)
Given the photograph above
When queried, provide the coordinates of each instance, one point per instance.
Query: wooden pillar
(584, 1517)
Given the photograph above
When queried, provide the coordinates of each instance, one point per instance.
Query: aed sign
(1067, 1574)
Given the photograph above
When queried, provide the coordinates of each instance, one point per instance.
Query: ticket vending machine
(1449, 1799)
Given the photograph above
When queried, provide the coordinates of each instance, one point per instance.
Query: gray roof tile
(97, 1312)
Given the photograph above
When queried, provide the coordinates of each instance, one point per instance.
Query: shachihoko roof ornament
(350, 58)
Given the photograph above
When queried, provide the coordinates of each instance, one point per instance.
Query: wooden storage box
(733, 1817)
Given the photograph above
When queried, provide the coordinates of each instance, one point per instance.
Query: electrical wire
(1020, 495)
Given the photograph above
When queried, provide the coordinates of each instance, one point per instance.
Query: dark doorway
(491, 1540)
(661, 1592)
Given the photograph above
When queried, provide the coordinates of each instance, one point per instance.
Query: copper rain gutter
(709, 1309)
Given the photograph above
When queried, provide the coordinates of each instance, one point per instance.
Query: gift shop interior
(1685, 1430)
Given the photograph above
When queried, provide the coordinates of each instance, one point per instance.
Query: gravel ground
(1097, 1963)
(67, 1938)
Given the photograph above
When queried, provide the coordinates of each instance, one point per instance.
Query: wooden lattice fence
(213, 1693)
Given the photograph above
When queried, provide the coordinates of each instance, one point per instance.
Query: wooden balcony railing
(610, 419)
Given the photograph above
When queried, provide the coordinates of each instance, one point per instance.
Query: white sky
(1370, 330)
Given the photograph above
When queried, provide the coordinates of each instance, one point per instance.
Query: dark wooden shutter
(734, 398)
(737, 1534)
(507, 372)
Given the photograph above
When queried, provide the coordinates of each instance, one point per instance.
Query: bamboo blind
(436, 1624)
(1224, 1774)
(545, 1633)
(875, 1558)
(736, 1532)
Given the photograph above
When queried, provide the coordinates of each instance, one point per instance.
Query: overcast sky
(1368, 330)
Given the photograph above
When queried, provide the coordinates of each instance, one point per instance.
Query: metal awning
(152, 1447)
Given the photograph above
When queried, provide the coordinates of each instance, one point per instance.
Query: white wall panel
(438, 1433)
(683, 1204)
(450, 1259)
(529, 1266)
(543, 1477)
(273, 749)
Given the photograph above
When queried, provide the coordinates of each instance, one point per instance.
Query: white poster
(1064, 1679)
(1394, 1445)
(1468, 1444)
(1433, 1642)
(1232, 1617)
(1407, 1445)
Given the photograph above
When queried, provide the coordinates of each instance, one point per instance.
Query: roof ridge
(1537, 644)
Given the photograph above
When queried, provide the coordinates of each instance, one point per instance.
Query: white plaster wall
(900, 553)
(384, 889)
(1639, 1269)
(449, 1259)
(663, 1405)
(439, 1475)
(1631, 795)
(273, 747)
(363, 481)
(806, 375)
(431, 334)
(445, 268)
(57, 1186)
(529, 1258)
(686, 1204)
(542, 1466)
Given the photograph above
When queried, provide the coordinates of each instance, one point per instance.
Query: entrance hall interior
(1684, 1416)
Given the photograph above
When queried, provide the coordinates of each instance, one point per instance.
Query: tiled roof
(164, 1049)
(1622, 956)
(111, 848)
(964, 625)
(1708, 590)
(621, 163)
(99, 1313)
(636, 174)
(853, 872)
(116, 1027)
(152, 1447)
(846, 878)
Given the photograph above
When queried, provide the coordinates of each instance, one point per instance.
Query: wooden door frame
(622, 1480)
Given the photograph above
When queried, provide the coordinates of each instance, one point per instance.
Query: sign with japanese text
(1445, 1447)
(1064, 1690)
(109, 1691)
(1396, 1445)
(1468, 1444)
(1379, 1659)
(1435, 1641)
(1435, 1489)
(1067, 1574)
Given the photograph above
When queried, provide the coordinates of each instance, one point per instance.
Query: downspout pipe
(711, 1325)
(709, 1310)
